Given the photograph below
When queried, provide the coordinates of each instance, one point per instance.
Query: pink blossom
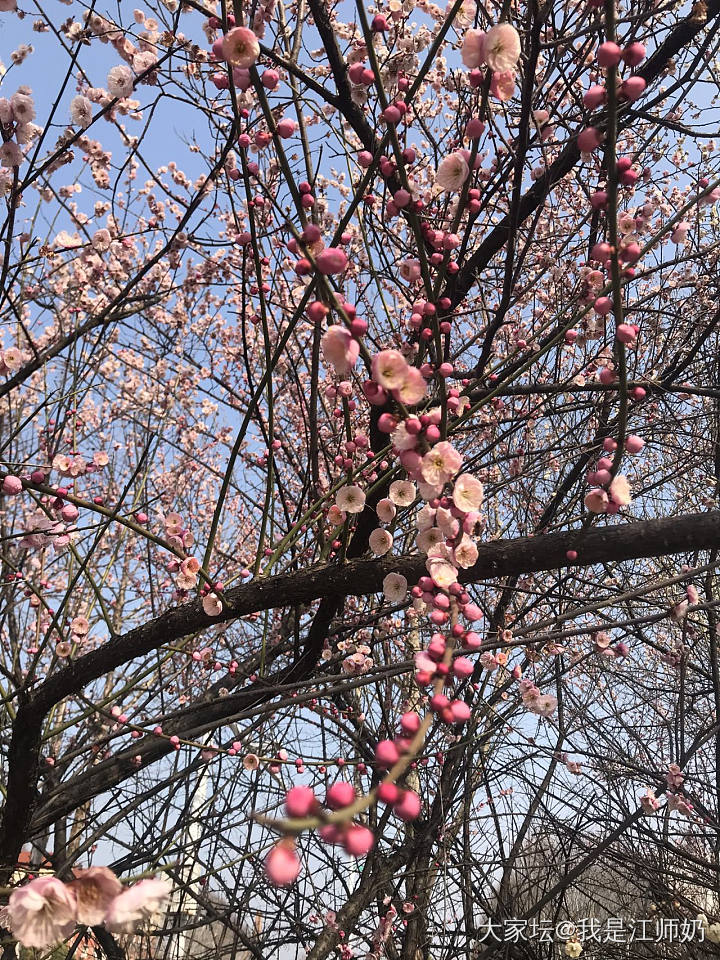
(389, 369)
(620, 490)
(440, 464)
(452, 172)
(141, 902)
(467, 493)
(412, 389)
(502, 47)
(473, 49)
(502, 85)
(240, 47)
(395, 587)
(679, 234)
(380, 541)
(350, 499)
(120, 81)
(340, 349)
(43, 912)
(94, 889)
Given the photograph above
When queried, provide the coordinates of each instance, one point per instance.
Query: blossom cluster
(46, 910)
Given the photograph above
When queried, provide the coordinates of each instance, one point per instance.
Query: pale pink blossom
(440, 567)
(94, 890)
(380, 541)
(141, 902)
(543, 705)
(402, 439)
(350, 499)
(120, 81)
(428, 538)
(489, 661)
(596, 500)
(465, 553)
(389, 369)
(212, 605)
(42, 913)
(385, 510)
(173, 524)
(80, 625)
(240, 47)
(186, 581)
(425, 518)
(619, 490)
(473, 49)
(336, 517)
(395, 587)
(412, 389)
(467, 493)
(452, 172)
(440, 463)
(402, 493)
(649, 802)
(23, 107)
(502, 47)
(502, 85)
(340, 349)
(410, 270)
(10, 154)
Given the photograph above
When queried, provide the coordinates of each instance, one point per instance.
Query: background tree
(360, 432)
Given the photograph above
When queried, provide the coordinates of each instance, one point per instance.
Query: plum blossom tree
(359, 471)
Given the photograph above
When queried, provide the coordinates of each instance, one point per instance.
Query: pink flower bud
(608, 54)
(408, 806)
(474, 129)
(459, 711)
(331, 260)
(633, 88)
(340, 794)
(594, 97)
(12, 485)
(358, 840)
(603, 306)
(634, 444)
(386, 754)
(410, 723)
(633, 54)
(286, 128)
(300, 801)
(626, 333)
(282, 865)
